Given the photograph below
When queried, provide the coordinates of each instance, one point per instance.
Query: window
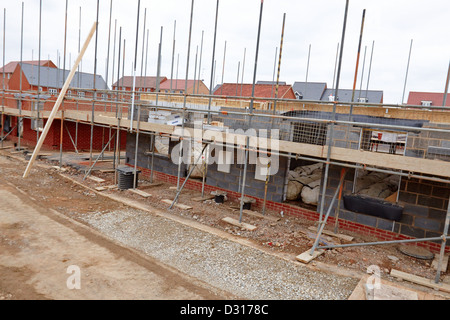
(363, 100)
(104, 96)
(81, 94)
(53, 92)
(298, 95)
(69, 93)
(427, 103)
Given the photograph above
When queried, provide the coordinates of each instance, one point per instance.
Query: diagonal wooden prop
(59, 101)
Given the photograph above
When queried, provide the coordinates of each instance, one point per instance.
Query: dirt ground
(280, 234)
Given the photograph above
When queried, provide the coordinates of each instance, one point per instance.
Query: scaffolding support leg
(187, 178)
(99, 156)
(322, 223)
(70, 136)
(444, 241)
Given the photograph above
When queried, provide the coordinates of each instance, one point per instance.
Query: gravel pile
(238, 269)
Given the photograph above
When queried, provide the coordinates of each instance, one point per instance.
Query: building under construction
(372, 168)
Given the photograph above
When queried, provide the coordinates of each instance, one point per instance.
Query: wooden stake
(58, 102)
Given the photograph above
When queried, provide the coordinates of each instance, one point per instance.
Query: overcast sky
(389, 25)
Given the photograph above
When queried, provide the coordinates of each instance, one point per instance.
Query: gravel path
(244, 271)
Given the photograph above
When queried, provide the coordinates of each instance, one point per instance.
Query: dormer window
(426, 103)
(298, 95)
(363, 100)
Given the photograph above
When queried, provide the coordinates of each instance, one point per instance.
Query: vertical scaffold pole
(250, 115)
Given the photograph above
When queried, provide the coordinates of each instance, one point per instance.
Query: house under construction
(373, 168)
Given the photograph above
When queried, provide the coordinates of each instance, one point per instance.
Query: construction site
(240, 195)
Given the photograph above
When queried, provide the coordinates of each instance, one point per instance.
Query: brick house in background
(427, 99)
(49, 80)
(179, 86)
(261, 90)
(142, 84)
(8, 70)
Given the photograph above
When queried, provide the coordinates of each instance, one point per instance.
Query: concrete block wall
(429, 145)
(344, 136)
(161, 163)
(425, 205)
(256, 188)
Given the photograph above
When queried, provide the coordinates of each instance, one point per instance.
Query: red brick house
(427, 99)
(179, 85)
(142, 84)
(48, 81)
(261, 90)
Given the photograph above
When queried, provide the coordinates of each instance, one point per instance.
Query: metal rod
(158, 71)
(274, 71)
(3, 98)
(407, 70)
(195, 70)
(362, 72)
(137, 146)
(99, 156)
(237, 78)
(251, 113)
(338, 208)
(279, 66)
(173, 54)
(79, 74)
(185, 95)
(446, 86)
(94, 85)
(444, 240)
(187, 178)
(322, 223)
(70, 136)
(335, 65)
(336, 97)
(265, 187)
(19, 120)
(370, 69)
(307, 70)
(39, 72)
(357, 58)
(200, 62)
(223, 66)
(213, 63)
(134, 69)
(243, 69)
(378, 243)
(64, 79)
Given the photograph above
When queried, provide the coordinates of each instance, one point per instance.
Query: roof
(11, 66)
(141, 82)
(416, 98)
(53, 78)
(271, 82)
(261, 90)
(310, 90)
(178, 84)
(345, 95)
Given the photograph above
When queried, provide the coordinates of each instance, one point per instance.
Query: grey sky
(390, 24)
